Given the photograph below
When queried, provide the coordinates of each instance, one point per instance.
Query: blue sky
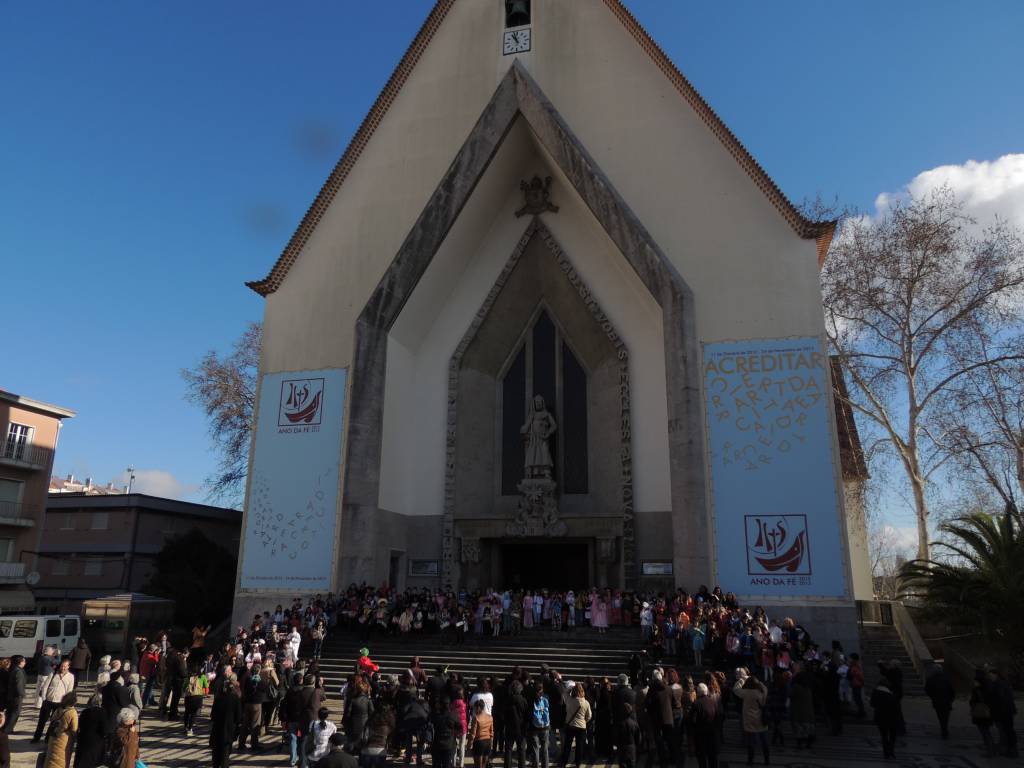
(153, 156)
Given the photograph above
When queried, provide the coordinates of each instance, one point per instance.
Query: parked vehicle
(26, 635)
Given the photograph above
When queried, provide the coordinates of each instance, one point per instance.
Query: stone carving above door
(537, 512)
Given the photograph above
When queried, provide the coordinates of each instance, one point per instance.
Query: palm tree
(977, 575)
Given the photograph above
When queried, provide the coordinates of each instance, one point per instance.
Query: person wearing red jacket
(365, 665)
(148, 664)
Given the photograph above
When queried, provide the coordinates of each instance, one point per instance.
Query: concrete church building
(548, 323)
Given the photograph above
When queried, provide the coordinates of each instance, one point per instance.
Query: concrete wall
(750, 274)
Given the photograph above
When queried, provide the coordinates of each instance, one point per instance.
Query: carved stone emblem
(536, 193)
(537, 513)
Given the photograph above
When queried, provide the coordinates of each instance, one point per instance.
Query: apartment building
(29, 430)
(97, 545)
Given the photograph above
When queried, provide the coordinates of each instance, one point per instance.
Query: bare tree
(225, 388)
(905, 292)
(983, 424)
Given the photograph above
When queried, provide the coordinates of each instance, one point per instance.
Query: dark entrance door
(555, 565)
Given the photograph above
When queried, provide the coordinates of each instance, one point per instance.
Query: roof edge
(355, 147)
(804, 227)
(39, 405)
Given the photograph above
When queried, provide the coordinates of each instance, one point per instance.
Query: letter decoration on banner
(292, 514)
(771, 453)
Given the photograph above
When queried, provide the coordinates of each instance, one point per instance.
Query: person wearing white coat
(294, 640)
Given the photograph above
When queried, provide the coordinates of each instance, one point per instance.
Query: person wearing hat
(365, 665)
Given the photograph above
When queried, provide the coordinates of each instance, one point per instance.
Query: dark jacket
(413, 718)
(620, 697)
(312, 699)
(115, 697)
(358, 715)
(337, 758)
(225, 718)
(627, 738)
(15, 688)
(446, 730)
(92, 730)
(940, 690)
(703, 717)
(886, 707)
(517, 714)
(659, 703)
(80, 658)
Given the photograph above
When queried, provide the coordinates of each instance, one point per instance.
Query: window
(94, 566)
(6, 550)
(61, 567)
(10, 494)
(53, 627)
(25, 628)
(5, 628)
(100, 521)
(517, 13)
(70, 626)
(545, 365)
(19, 438)
(67, 522)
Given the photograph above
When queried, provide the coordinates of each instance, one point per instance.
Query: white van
(26, 635)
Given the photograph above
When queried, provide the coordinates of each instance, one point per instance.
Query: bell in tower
(517, 13)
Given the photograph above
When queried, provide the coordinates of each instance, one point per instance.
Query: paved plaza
(164, 746)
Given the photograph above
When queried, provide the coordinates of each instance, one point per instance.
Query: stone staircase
(881, 642)
(575, 655)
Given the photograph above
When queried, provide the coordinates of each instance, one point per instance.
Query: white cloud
(987, 188)
(159, 482)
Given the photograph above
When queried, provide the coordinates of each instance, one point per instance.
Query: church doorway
(537, 564)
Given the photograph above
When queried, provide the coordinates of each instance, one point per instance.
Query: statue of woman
(539, 426)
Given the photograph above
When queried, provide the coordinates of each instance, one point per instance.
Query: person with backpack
(539, 726)
(196, 688)
(252, 711)
(754, 695)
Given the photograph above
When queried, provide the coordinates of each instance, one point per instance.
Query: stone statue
(539, 426)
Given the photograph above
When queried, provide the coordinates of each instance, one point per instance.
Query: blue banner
(774, 495)
(291, 519)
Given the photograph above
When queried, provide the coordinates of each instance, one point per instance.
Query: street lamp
(131, 478)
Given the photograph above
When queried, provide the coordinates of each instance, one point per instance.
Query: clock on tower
(515, 41)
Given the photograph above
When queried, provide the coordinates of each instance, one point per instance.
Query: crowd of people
(265, 689)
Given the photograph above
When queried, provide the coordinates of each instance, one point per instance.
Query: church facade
(549, 324)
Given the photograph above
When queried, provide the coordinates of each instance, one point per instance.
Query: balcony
(18, 515)
(24, 456)
(12, 573)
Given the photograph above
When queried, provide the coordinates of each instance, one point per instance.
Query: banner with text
(292, 514)
(770, 451)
